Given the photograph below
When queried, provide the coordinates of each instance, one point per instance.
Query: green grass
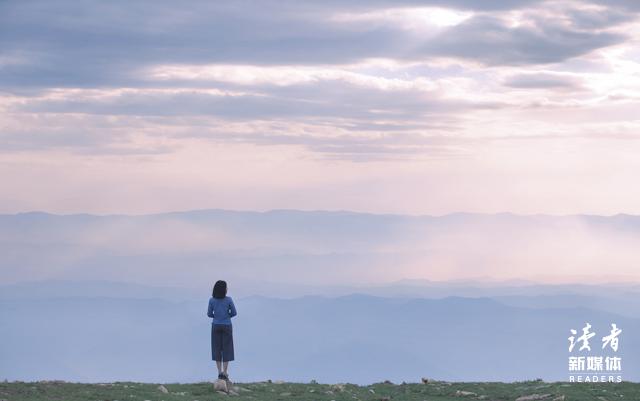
(432, 391)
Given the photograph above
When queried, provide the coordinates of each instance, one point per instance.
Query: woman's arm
(232, 308)
(210, 309)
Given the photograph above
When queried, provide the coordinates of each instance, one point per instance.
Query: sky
(416, 107)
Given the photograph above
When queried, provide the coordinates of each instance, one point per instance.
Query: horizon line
(327, 211)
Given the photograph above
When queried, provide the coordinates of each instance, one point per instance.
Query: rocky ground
(426, 391)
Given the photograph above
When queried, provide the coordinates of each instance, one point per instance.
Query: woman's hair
(220, 289)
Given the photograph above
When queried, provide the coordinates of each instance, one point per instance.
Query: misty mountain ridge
(104, 298)
(331, 339)
(318, 248)
(606, 297)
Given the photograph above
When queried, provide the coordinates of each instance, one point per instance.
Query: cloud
(341, 79)
(86, 141)
(104, 44)
(544, 80)
(490, 40)
(330, 99)
(487, 5)
(391, 146)
(149, 123)
(598, 18)
(623, 5)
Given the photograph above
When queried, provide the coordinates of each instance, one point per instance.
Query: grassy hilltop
(431, 391)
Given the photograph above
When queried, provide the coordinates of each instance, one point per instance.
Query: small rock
(533, 397)
(372, 391)
(221, 385)
(285, 394)
(462, 393)
(163, 389)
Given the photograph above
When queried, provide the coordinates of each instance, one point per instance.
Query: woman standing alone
(221, 309)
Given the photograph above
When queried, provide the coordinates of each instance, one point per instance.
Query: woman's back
(221, 310)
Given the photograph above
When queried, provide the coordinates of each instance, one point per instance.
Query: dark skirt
(222, 342)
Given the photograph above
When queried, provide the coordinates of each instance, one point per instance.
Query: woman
(221, 309)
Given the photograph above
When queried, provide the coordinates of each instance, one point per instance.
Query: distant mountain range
(331, 296)
(303, 248)
(354, 338)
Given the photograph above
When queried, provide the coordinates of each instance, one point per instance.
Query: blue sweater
(221, 310)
